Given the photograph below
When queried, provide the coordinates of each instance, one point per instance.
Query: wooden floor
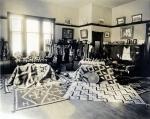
(74, 109)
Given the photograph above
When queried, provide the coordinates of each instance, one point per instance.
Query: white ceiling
(79, 3)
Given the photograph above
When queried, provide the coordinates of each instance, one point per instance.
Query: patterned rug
(37, 96)
(103, 92)
(94, 73)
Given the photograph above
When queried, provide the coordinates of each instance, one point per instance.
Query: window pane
(47, 40)
(47, 34)
(15, 23)
(52, 28)
(32, 25)
(46, 27)
(32, 43)
(16, 42)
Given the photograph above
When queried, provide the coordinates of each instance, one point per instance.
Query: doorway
(147, 52)
(97, 41)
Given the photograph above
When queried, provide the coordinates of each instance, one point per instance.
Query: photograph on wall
(127, 32)
(67, 33)
(137, 18)
(107, 34)
(121, 20)
(84, 33)
(68, 21)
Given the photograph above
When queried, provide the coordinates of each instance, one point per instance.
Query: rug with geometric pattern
(103, 92)
(94, 73)
(37, 96)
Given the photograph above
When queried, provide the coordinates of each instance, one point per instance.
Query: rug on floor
(103, 92)
(37, 96)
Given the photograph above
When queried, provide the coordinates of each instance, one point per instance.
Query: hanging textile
(126, 53)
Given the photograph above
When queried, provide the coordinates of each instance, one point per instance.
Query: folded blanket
(94, 73)
(30, 74)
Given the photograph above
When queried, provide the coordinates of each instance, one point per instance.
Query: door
(97, 40)
(147, 52)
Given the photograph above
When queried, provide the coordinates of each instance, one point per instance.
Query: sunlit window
(47, 34)
(16, 34)
(32, 26)
(28, 34)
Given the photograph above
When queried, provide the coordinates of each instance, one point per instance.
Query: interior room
(75, 59)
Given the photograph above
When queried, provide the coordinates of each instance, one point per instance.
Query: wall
(38, 8)
(139, 33)
(99, 12)
(127, 10)
(90, 14)
(132, 8)
(85, 14)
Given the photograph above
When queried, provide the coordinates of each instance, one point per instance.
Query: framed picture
(84, 33)
(107, 34)
(67, 33)
(121, 20)
(134, 41)
(137, 18)
(68, 21)
(127, 32)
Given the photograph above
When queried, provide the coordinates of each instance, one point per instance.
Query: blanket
(94, 73)
(32, 74)
(104, 92)
(38, 96)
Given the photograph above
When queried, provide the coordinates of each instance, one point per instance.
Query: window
(30, 34)
(48, 34)
(16, 34)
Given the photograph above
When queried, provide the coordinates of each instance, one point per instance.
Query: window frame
(24, 37)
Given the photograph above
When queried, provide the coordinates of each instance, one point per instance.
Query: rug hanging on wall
(37, 96)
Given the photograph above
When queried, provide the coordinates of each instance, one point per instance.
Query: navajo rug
(103, 92)
(37, 96)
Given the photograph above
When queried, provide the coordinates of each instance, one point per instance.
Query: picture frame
(67, 33)
(68, 21)
(137, 18)
(127, 32)
(135, 41)
(84, 33)
(106, 34)
(121, 20)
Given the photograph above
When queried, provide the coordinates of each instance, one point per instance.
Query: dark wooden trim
(108, 26)
(133, 23)
(61, 24)
(89, 24)
(95, 24)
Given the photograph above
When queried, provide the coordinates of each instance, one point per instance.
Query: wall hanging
(127, 32)
(84, 33)
(67, 33)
